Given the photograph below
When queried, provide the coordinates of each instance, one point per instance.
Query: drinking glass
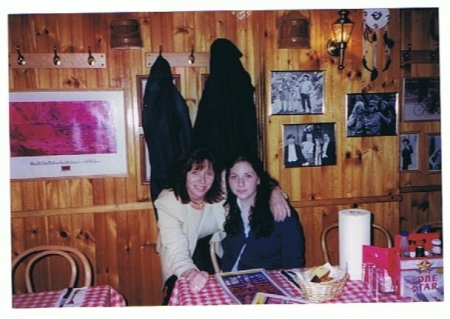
(368, 278)
(385, 284)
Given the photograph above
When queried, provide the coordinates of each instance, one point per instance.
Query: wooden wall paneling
(204, 30)
(418, 207)
(183, 31)
(112, 249)
(128, 243)
(154, 31)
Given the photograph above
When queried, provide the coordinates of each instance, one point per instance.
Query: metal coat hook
(56, 59)
(434, 56)
(160, 50)
(407, 55)
(191, 58)
(90, 59)
(20, 58)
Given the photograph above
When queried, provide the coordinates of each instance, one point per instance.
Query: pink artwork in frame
(67, 134)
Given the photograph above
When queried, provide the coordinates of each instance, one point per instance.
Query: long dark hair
(260, 217)
(196, 159)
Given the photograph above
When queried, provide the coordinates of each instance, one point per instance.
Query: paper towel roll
(354, 232)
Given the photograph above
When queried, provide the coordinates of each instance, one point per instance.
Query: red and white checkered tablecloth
(95, 296)
(213, 293)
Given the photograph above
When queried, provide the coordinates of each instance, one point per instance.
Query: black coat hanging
(166, 124)
(226, 120)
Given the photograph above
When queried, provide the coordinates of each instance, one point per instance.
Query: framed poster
(372, 114)
(409, 151)
(141, 82)
(296, 92)
(308, 145)
(434, 153)
(67, 134)
(421, 99)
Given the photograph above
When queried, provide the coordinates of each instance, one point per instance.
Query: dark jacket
(300, 158)
(331, 154)
(166, 124)
(226, 119)
(284, 248)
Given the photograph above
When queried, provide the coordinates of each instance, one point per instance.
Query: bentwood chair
(335, 226)
(215, 262)
(32, 256)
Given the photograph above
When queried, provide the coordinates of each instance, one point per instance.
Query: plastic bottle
(404, 244)
(436, 248)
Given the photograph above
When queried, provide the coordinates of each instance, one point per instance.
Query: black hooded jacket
(166, 124)
(226, 119)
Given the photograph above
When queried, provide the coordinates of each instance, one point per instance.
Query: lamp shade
(343, 27)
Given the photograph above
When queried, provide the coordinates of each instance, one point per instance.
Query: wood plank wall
(111, 219)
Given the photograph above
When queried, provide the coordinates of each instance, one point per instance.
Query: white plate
(376, 18)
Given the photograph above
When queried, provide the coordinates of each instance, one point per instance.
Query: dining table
(214, 294)
(92, 296)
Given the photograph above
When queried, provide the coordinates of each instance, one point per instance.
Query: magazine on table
(242, 286)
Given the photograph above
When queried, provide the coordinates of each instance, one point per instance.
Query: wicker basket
(322, 291)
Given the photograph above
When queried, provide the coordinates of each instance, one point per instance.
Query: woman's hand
(279, 205)
(197, 279)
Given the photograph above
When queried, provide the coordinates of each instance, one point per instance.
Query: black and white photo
(434, 152)
(409, 151)
(371, 114)
(296, 92)
(421, 99)
(311, 144)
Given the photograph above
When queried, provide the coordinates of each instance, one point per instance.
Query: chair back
(77, 260)
(335, 226)
(215, 262)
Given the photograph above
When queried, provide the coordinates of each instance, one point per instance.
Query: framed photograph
(296, 92)
(307, 145)
(60, 134)
(421, 99)
(372, 114)
(141, 83)
(409, 151)
(434, 153)
(145, 161)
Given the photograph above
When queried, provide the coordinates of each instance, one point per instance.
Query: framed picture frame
(141, 82)
(145, 160)
(297, 92)
(307, 145)
(62, 134)
(434, 153)
(421, 99)
(371, 114)
(409, 151)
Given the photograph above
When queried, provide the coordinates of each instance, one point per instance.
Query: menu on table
(242, 286)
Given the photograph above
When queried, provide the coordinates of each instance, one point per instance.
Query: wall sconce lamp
(342, 29)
